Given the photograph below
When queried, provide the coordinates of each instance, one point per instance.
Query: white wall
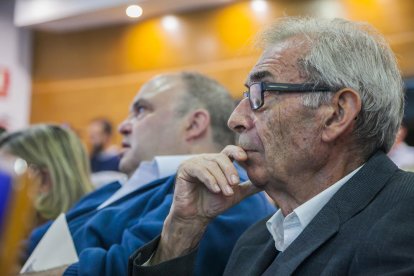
(32, 12)
(15, 57)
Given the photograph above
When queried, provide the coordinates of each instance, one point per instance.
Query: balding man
(171, 116)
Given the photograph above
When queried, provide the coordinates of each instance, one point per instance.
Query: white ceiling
(67, 15)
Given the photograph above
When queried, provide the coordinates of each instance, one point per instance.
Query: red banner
(4, 81)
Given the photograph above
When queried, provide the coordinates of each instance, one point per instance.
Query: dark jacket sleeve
(181, 266)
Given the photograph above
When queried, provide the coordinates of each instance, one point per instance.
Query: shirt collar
(161, 166)
(168, 164)
(148, 171)
(302, 215)
(308, 210)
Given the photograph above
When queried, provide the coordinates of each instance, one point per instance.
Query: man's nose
(240, 120)
(125, 127)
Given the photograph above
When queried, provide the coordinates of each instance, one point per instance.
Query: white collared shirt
(148, 171)
(285, 230)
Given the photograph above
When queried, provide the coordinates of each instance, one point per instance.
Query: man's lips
(248, 144)
(248, 148)
(125, 145)
(250, 152)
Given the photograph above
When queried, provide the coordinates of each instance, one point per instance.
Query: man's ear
(345, 107)
(198, 122)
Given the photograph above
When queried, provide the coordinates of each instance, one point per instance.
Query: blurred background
(73, 61)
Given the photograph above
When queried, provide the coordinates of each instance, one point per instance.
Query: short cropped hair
(200, 92)
(61, 153)
(105, 124)
(204, 92)
(344, 54)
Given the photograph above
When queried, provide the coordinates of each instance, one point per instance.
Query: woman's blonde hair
(61, 153)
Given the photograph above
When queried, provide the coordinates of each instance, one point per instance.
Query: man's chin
(256, 174)
(125, 166)
(259, 183)
(123, 152)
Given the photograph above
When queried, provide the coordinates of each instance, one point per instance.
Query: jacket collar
(348, 201)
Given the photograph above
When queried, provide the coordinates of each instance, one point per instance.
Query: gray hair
(344, 54)
(203, 92)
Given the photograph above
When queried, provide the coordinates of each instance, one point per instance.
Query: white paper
(55, 249)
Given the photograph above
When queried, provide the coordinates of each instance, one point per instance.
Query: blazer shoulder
(401, 184)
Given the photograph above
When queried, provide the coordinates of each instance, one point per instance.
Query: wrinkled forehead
(279, 62)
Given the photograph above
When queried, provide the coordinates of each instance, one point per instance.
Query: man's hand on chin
(205, 187)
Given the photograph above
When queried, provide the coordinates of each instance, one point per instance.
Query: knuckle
(209, 180)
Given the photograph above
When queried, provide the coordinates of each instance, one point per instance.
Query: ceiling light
(133, 11)
(170, 23)
(259, 5)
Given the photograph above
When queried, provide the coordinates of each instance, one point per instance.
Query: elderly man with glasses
(323, 106)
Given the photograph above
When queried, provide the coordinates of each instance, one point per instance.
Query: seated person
(103, 155)
(2, 130)
(173, 114)
(58, 162)
(401, 153)
(323, 106)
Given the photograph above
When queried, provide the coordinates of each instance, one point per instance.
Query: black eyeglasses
(256, 90)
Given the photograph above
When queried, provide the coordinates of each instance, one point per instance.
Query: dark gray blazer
(367, 228)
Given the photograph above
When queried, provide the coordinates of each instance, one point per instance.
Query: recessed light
(170, 22)
(259, 5)
(133, 11)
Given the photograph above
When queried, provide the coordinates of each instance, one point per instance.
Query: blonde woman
(57, 159)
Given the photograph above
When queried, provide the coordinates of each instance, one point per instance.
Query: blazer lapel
(253, 260)
(313, 236)
(354, 196)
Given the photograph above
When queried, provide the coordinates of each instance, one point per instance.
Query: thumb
(245, 189)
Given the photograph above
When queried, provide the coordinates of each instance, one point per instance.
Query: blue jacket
(105, 239)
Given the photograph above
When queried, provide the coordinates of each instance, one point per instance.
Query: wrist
(178, 238)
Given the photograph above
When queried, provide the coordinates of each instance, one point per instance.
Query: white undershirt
(148, 171)
(285, 230)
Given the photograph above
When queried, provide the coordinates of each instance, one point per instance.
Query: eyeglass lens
(255, 95)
